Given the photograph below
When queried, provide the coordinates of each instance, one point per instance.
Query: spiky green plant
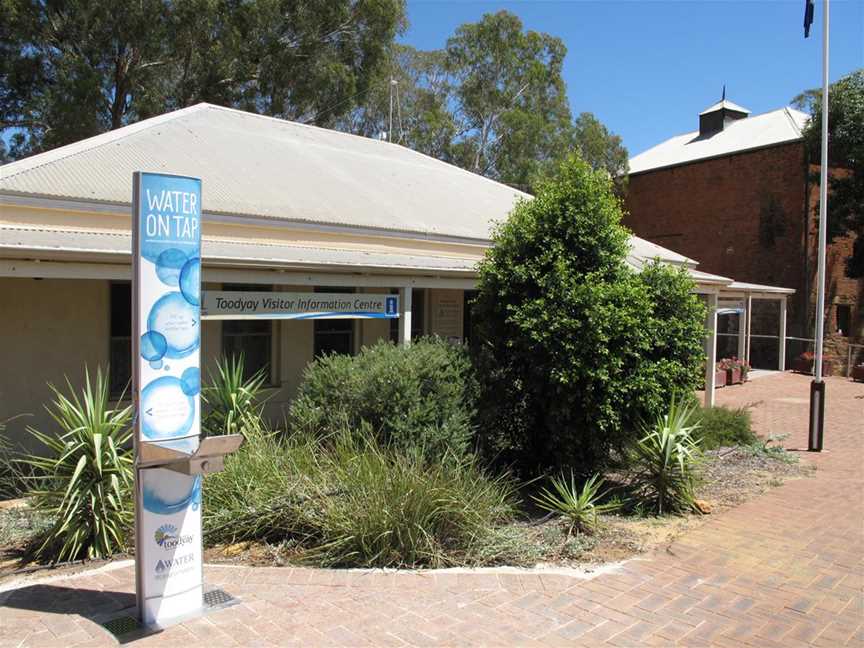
(83, 482)
(235, 401)
(665, 461)
(578, 506)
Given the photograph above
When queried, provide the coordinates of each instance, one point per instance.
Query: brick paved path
(784, 569)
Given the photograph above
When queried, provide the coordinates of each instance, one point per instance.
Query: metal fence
(765, 349)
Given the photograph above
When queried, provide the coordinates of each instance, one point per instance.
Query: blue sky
(647, 68)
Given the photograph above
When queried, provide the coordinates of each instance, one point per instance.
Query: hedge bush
(724, 427)
(419, 399)
(575, 349)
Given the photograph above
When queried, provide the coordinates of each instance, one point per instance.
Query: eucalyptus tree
(75, 68)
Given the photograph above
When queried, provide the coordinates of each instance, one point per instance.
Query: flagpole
(817, 387)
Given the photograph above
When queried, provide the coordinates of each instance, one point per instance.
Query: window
(252, 338)
(120, 336)
(844, 319)
(418, 311)
(334, 335)
(468, 297)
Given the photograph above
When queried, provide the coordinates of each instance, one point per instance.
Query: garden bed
(731, 477)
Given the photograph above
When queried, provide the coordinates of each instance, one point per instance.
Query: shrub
(353, 502)
(395, 509)
(234, 401)
(664, 462)
(258, 496)
(84, 483)
(579, 507)
(419, 398)
(721, 426)
(13, 475)
(574, 347)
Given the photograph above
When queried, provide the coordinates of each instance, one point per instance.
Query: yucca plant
(578, 506)
(665, 461)
(235, 401)
(83, 482)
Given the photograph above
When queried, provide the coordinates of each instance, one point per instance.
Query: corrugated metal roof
(743, 286)
(89, 244)
(725, 103)
(260, 166)
(252, 165)
(54, 243)
(767, 129)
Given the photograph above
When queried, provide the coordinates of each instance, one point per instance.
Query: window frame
(115, 390)
(272, 333)
(352, 332)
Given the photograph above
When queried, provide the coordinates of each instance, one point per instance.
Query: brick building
(739, 195)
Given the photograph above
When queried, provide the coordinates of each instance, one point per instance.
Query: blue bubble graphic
(177, 320)
(169, 264)
(155, 364)
(153, 346)
(171, 494)
(166, 411)
(191, 381)
(190, 281)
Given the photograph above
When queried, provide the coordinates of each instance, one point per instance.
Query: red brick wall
(711, 211)
(839, 289)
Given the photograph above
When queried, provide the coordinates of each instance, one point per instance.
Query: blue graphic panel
(190, 281)
(178, 322)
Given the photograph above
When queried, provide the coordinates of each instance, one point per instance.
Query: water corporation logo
(174, 566)
(167, 537)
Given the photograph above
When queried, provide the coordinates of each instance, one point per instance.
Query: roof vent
(715, 118)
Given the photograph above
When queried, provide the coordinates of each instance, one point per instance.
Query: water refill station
(171, 459)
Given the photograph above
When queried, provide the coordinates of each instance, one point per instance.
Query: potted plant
(804, 364)
(745, 370)
(719, 375)
(732, 367)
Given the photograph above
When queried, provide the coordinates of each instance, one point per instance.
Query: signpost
(307, 305)
(166, 335)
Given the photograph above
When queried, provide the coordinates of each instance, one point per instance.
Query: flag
(808, 17)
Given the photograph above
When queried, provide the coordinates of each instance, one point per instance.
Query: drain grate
(218, 598)
(122, 625)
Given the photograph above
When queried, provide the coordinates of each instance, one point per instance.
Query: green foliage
(234, 400)
(493, 102)
(770, 448)
(74, 69)
(574, 348)
(723, 427)
(579, 507)
(511, 96)
(664, 463)
(84, 482)
(352, 502)
(259, 495)
(415, 399)
(601, 149)
(13, 475)
(845, 150)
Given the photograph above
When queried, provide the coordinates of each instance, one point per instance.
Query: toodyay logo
(167, 537)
